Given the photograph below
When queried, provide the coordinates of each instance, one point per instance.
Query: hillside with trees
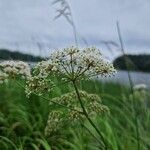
(133, 62)
(9, 55)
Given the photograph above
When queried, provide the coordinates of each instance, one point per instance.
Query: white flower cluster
(3, 77)
(71, 64)
(140, 87)
(54, 122)
(44, 68)
(38, 85)
(40, 81)
(92, 103)
(76, 63)
(13, 69)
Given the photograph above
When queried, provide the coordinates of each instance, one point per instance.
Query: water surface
(137, 78)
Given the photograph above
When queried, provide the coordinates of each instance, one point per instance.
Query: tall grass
(22, 120)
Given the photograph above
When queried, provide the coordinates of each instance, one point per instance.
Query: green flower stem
(87, 116)
(100, 142)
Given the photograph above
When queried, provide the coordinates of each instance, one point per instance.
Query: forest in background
(133, 62)
(9, 55)
(123, 62)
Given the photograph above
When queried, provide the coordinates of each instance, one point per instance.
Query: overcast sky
(23, 23)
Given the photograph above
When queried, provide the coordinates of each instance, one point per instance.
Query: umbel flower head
(38, 85)
(75, 63)
(3, 77)
(40, 81)
(56, 119)
(71, 64)
(13, 69)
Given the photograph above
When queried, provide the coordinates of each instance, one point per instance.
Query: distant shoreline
(9, 55)
(133, 63)
(136, 63)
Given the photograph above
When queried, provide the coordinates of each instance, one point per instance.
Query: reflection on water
(137, 78)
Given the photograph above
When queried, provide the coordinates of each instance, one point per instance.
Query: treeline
(8, 55)
(133, 62)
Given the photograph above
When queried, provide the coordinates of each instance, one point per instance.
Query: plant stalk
(131, 87)
(87, 116)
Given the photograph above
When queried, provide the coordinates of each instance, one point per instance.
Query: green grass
(22, 120)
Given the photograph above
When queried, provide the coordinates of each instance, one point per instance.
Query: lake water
(122, 77)
(137, 78)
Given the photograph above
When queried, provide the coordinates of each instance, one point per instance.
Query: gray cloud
(21, 20)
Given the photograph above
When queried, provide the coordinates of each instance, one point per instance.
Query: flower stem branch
(87, 116)
(58, 104)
